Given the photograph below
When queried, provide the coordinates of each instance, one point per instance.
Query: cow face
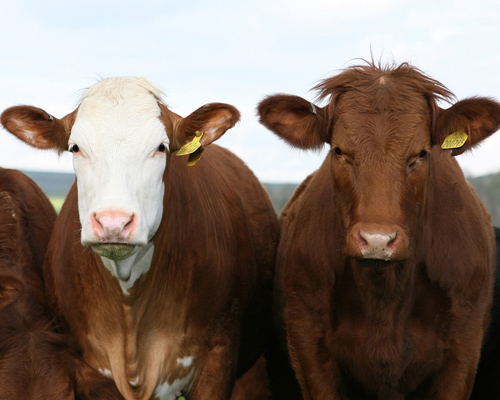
(121, 136)
(382, 126)
(119, 147)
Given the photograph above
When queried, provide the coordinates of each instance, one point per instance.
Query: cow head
(121, 136)
(384, 128)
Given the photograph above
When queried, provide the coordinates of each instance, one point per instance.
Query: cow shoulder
(457, 230)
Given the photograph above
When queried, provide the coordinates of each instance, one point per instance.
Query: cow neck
(130, 269)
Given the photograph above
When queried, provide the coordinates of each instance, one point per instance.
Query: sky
(238, 52)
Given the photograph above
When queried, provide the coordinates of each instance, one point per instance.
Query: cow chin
(113, 251)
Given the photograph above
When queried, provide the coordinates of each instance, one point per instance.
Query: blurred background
(238, 52)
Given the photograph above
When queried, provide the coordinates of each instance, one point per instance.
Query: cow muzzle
(113, 231)
(377, 242)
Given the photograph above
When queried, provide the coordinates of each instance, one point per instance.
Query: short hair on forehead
(370, 76)
(121, 87)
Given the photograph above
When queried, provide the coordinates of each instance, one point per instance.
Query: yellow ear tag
(195, 157)
(455, 140)
(192, 146)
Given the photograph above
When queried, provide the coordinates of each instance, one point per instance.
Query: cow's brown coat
(409, 326)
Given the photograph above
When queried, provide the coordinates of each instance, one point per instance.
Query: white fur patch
(135, 382)
(106, 372)
(185, 362)
(128, 270)
(166, 391)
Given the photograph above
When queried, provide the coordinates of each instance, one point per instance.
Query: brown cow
(162, 272)
(33, 362)
(386, 263)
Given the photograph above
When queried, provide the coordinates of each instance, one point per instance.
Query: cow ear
(212, 120)
(477, 117)
(38, 128)
(299, 122)
(10, 288)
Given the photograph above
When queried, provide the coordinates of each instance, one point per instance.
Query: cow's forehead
(393, 120)
(123, 88)
(127, 99)
(120, 109)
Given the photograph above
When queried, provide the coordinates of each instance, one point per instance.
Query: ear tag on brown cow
(195, 157)
(455, 140)
(192, 146)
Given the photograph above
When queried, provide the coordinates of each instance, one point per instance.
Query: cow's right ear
(296, 120)
(212, 120)
(38, 128)
(10, 288)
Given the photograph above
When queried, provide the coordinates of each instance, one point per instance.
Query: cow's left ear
(38, 128)
(478, 117)
(212, 120)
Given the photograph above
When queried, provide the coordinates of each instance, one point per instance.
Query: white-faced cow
(161, 272)
(386, 261)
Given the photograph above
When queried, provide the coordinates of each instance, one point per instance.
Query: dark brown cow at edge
(386, 262)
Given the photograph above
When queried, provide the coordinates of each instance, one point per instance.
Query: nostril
(130, 224)
(362, 239)
(94, 219)
(393, 237)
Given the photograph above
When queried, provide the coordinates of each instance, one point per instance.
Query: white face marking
(118, 168)
(185, 362)
(165, 391)
(106, 372)
(128, 270)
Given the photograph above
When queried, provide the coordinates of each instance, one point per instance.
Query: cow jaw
(119, 165)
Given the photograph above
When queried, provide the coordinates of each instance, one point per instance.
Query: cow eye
(74, 148)
(422, 154)
(161, 148)
(338, 151)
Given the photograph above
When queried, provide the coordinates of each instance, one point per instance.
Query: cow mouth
(375, 263)
(113, 251)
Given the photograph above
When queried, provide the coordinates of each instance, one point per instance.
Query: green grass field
(57, 202)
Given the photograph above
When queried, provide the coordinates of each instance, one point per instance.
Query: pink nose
(113, 226)
(377, 242)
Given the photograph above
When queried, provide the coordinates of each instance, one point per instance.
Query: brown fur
(33, 362)
(410, 327)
